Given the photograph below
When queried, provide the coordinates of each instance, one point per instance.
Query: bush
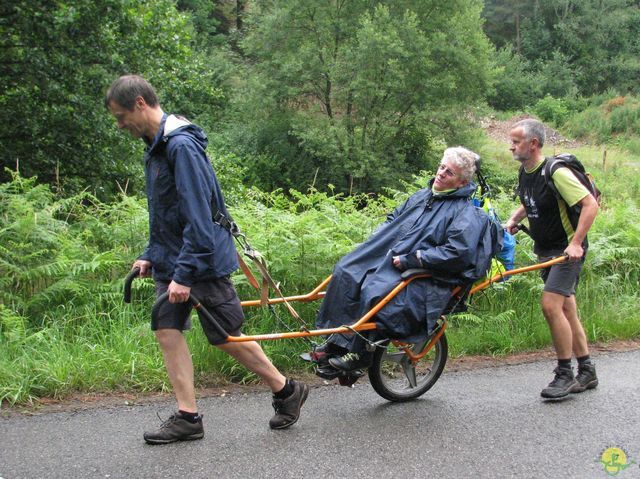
(516, 86)
(552, 110)
(556, 77)
(609, 119)
(625, 116)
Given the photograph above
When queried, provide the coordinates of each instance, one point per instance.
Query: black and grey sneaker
(563, 384)
(176, 428)
(288, 409)
(321, 354)
(587, 378)
(352, 361)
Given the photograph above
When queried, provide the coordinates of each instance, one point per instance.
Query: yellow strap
(267, 281)
(247, 272)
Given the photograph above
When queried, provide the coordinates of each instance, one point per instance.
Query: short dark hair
(127, 88)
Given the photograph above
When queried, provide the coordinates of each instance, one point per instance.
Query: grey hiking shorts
(218, 296)
(561, 278)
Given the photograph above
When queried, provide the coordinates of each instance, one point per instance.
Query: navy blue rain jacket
(184, 243)
(456, 241)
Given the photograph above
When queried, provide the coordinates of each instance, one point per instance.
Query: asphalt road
(483, 423)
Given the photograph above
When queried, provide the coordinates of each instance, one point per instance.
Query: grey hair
(464, 159)
(532, 129)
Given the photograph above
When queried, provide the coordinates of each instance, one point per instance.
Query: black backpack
(568, 160)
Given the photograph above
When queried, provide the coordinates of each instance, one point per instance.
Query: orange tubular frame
(414, 358)
(365, 323)
(534, 267)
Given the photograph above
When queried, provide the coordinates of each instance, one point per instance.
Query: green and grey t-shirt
(548, 216)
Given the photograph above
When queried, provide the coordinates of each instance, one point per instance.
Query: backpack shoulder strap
(549, 168)
(520, 173)
(577, 169)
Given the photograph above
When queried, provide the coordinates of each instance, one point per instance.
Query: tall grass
(64, 327)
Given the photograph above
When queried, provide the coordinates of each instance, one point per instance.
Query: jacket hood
(463, 192)
(174, 125)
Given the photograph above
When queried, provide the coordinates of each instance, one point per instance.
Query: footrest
(328, 372)
(306, 357)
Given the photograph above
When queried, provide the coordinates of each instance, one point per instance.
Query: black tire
(391, 380)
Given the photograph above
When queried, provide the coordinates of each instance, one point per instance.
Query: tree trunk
(239, 12)
(518, 40)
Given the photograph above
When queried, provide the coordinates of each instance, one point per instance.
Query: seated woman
(437, 229)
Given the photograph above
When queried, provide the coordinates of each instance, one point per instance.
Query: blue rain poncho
(456, 241)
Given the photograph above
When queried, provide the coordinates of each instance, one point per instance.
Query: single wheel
(396, 378)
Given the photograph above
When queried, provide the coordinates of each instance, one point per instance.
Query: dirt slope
(499, 131)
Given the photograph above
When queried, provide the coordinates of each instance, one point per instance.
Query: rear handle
(524, 229)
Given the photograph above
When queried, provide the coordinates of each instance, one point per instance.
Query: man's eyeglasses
(446, 170)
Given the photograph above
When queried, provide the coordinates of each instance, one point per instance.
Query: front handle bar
(133, 274)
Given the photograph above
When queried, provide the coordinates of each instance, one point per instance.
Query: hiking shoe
(563, 384)
(587, 378)
(352, 361)
(322, 353)
(288, 409)
(176, 428)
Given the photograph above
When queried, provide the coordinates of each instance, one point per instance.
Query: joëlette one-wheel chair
(400, 371)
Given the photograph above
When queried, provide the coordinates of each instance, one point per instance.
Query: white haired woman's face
(449, 176)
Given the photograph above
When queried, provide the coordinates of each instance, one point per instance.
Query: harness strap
(221, 220)
(247, 272)
(267, 281)
(258, 260)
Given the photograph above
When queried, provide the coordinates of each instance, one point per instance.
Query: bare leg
(251, 355)
(179, 365)
(561, 333)
(287, 409)
(580, 345)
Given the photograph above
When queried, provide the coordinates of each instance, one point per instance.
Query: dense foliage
(609, 119)
(349, 96)
(357, 93)
(58, 60)
(563, 48)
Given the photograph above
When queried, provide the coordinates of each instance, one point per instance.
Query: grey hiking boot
(563, 384)
(176, 428)
(288, 409)
(352, 361)
(587, 378)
